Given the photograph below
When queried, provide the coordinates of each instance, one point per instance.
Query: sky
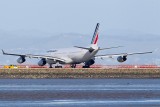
(43, 24)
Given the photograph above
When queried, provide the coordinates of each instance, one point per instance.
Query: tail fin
(95, 35)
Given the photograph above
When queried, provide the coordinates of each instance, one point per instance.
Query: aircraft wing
(121, 54)
(110, 48)
(35, 56)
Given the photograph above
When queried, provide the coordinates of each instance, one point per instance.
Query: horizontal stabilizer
(98, 49)
(90, 49)
(82, 47)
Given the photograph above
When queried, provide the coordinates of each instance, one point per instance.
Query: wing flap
(35, 56)
(44, 56)
(121, 54)
(110, 48)
(4, 53)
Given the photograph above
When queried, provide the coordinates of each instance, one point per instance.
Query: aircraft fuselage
(73, 56)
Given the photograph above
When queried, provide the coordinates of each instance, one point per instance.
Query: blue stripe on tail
(95, 33)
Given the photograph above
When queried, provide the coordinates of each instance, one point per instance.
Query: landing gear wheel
(86, 66)
(50, 66)
(58, 66)
(73, 65)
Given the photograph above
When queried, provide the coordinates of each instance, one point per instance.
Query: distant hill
(37, 42)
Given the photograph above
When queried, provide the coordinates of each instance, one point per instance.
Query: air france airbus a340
(74, 56)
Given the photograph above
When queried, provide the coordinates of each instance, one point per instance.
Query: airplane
(75, 55)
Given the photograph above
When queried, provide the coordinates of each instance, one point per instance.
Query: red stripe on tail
(96, 39)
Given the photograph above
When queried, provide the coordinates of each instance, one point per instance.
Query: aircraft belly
(51, 61)
(83, 57)
(77, 58)
(89, 55)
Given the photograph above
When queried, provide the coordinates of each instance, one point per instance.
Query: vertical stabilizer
(95, 35)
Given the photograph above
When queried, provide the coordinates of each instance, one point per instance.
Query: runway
(80, 92)
(78, 73)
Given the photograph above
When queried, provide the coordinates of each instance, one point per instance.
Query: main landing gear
(73, 65)
(57, 66)
(86, 66)
(50, 66)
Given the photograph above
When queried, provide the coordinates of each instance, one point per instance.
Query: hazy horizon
(35, 26)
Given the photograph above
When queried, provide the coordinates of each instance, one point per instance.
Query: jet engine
(90, 62)
(122, 58)
(21, 59)
(42, 62)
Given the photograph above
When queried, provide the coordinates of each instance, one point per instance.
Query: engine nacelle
(42, 62)
(21, 59)
(122, 58)
(90, 62)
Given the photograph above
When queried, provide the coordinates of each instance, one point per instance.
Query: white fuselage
(73, 55)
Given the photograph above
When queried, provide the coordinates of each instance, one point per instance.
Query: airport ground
(40, 73)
